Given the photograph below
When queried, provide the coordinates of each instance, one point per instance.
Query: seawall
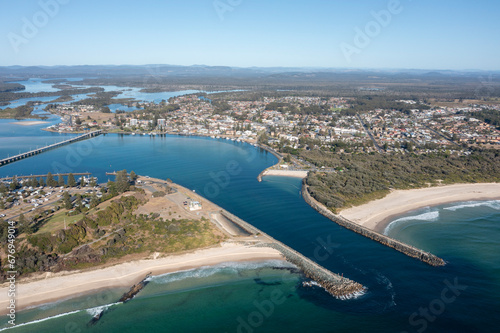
(409, 250)
(338, 286)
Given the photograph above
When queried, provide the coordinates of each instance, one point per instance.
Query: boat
(133, 133)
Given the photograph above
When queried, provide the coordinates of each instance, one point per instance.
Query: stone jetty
(134, 290)
(409, 250)
(338, 286)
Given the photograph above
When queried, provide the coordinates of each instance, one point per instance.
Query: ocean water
(403, 294)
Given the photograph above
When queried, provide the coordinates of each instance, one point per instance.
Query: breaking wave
(98, 309)
(228, 267)
(42, 320)
(495, 204)
(428, 216)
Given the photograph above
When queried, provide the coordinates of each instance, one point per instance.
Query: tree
(14, 184)
(50, 180)
(78, 203)
(94, 201)
(41, 182)
(3, 188)
(133, 176)
(67, 200)
(263, 139)
(22, 219)
(60, 181)
(93, 182)
(112, 189)
(122, 183)
(71, 180)
(33, 182)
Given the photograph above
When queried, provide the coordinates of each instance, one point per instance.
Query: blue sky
(421, 34)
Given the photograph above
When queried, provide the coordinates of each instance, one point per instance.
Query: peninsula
(139, 225)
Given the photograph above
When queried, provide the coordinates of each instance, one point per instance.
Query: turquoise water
(236, 298)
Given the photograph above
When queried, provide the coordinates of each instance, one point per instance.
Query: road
(380, 150)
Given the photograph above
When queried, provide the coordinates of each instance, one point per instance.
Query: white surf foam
(98, 309)
(42, 320)
(354, 295)
(206, 271)
(495, 204)
(427, 216)
(384, 280)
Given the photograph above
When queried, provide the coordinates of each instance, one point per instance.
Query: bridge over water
(37, 151)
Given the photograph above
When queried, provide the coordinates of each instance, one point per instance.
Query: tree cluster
(364, 177)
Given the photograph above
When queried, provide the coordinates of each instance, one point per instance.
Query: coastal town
(296, 123)
(248, 166)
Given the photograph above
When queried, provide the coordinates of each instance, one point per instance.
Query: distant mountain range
(220, 71)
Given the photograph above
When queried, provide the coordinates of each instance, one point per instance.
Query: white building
(194, 205)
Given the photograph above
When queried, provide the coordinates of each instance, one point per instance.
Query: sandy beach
(55, 286)
(29, 123)
(285, 173)
(377, 214)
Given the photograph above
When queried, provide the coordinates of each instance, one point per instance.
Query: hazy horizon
(373, 35)
(308, 68)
